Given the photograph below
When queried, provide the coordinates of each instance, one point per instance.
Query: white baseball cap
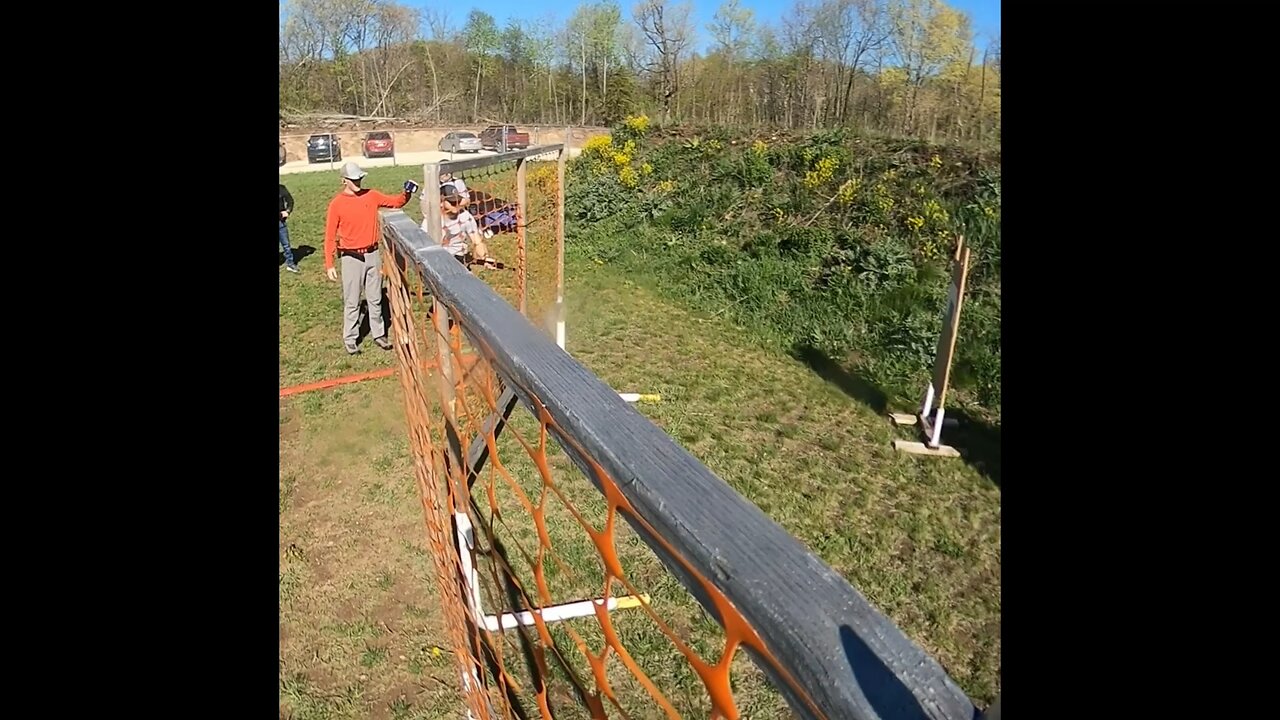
(352, 171)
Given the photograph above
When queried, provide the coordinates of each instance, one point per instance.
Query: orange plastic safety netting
(521, 237)
(555, 607)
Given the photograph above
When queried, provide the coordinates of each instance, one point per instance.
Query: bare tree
(667, 30)
(732, 28)
(579, 30)
(995, 53)
(606, 18)
(799, 42)
(438, 23)
(868, 35)
(394, 27)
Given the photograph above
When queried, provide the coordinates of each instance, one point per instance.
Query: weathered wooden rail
(823, 646)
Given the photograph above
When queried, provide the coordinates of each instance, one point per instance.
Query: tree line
(906, 67)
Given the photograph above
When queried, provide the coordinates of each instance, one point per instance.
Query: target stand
(932, 418)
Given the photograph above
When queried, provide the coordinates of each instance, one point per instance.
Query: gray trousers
(360, 275)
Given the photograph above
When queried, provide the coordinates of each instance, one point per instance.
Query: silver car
(460, 141)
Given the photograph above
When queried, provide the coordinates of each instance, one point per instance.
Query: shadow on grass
(535, 655)
(977, 440)
(299, 253)
(364, 316)
(853, 385)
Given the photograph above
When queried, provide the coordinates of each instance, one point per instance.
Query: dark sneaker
(292, 268)
(382, 342)
(352, 349)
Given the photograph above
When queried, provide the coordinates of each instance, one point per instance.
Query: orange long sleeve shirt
(352, 222)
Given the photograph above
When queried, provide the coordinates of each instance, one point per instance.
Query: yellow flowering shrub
(847, 192)
(544, 177)
(934, 212)
(622, 157)
(821, 173)
(606, 158)
(638, 124)
(936, 245)
(627, 176)
(883, 203)
(597, 146)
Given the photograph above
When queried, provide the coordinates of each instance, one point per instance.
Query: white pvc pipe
(928, 400)
(466, 546)
(582, 608)
(556, 613)
(937, 427)
(560, 322)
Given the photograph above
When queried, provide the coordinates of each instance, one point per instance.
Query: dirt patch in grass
(353, 565)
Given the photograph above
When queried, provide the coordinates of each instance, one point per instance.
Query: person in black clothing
(286, 207)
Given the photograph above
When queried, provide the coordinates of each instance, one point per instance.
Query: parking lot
(406, 158)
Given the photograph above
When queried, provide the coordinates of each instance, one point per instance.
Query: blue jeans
(284, 243)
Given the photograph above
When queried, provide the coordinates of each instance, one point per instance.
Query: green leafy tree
(481, 38)
(927, 36)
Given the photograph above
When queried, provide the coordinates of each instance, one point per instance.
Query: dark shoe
(352, 349)
(382, 342)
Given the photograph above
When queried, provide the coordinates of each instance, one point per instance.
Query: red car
(503, 138)
(379, 144)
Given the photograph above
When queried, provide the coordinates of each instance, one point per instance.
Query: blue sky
(984, 15)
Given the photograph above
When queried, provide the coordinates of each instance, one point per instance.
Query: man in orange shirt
(351, 232)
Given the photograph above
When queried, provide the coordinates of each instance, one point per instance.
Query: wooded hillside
(902, 67)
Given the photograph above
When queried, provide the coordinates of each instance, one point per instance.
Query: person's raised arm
(392, 201)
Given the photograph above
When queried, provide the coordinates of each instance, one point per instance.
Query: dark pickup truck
(503, 138)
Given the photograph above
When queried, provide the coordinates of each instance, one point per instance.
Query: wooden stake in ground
(431, 201)
(933, 408)
(522, 195)
(561, 160)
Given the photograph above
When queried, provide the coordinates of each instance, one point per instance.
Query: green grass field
(358, 635)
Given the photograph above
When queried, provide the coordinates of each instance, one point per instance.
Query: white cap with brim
(352, 171)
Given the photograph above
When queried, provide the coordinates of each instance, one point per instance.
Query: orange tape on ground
(326, 384)
(468, 361)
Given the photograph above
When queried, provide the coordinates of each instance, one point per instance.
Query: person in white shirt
(458, 185)
(460, 233)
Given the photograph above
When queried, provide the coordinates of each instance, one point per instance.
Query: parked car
(460, 141)
(323, 148)
(281, 153)
(503, 138)
(379, 144)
